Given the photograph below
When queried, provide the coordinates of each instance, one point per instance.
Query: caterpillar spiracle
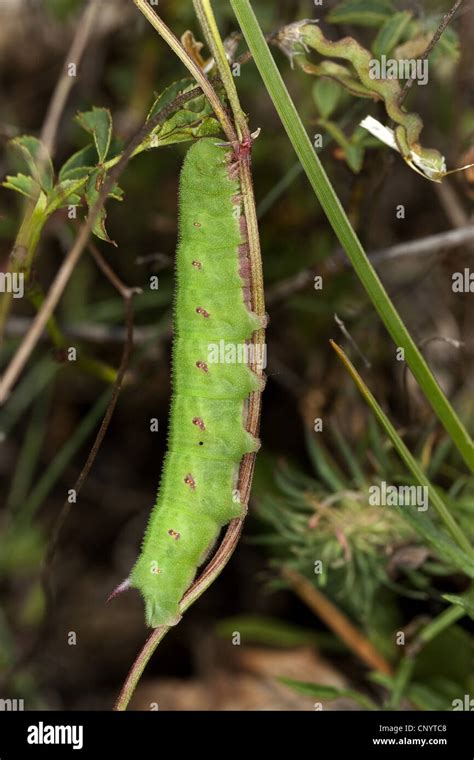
(207, 433)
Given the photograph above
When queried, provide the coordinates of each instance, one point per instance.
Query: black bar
(313, 734)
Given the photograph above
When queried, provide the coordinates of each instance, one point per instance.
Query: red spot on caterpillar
(197, 264)
(199, 423)
(202, 311)
(203, 366)
(197, 224)
(189, 480)
(174, 534)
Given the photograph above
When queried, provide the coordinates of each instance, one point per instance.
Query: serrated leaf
(64, 194)
(390, 33)
(98, 123)
(321, 691)
(326, 93)
(93, 186)
(361, 12)
(23, 184)
(37, 159)
(195, 119)
(79, 164)
(198, 104)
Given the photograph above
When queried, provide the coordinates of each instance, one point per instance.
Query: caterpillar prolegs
(207, 435)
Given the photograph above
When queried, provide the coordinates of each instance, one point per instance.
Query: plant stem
(65, 271)
(208, 22)
(207, 577)
(445, 619)
(232, 535)
(192, 67)
(342, 227)
(442, 510)
(336, 621)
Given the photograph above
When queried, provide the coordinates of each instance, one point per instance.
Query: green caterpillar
(207, 436)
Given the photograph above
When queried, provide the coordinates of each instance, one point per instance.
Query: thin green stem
(446, 619)
(208, 22)
(439, 505)
(401, 680)
(192, 67)
(207, 577)
(346, 235)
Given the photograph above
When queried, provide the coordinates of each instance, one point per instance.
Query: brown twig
(91, 332)
(66, 82)
(337, 621)
(48, 136)
(55, 292)
(447, 18)
(207, 577)
(424, 246)
(127, 296)
(45, 573)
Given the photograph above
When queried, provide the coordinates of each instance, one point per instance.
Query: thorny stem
(55, 292)
(192, 67)
(232, 535)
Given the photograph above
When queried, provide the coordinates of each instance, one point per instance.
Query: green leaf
(80, 164)
(37, 158)
(23, 184)
(361, 12)
(93, 186)
(98, 123)
(64, 194)
(465, 601)
(326, 93)
(321, 691)
(427, 698)
(195, 119)
(390, 33)
(441, 543)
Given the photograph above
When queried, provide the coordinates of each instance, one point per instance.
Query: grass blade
(342, 227)
(435, 499)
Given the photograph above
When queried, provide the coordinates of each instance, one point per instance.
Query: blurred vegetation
(310, 496)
